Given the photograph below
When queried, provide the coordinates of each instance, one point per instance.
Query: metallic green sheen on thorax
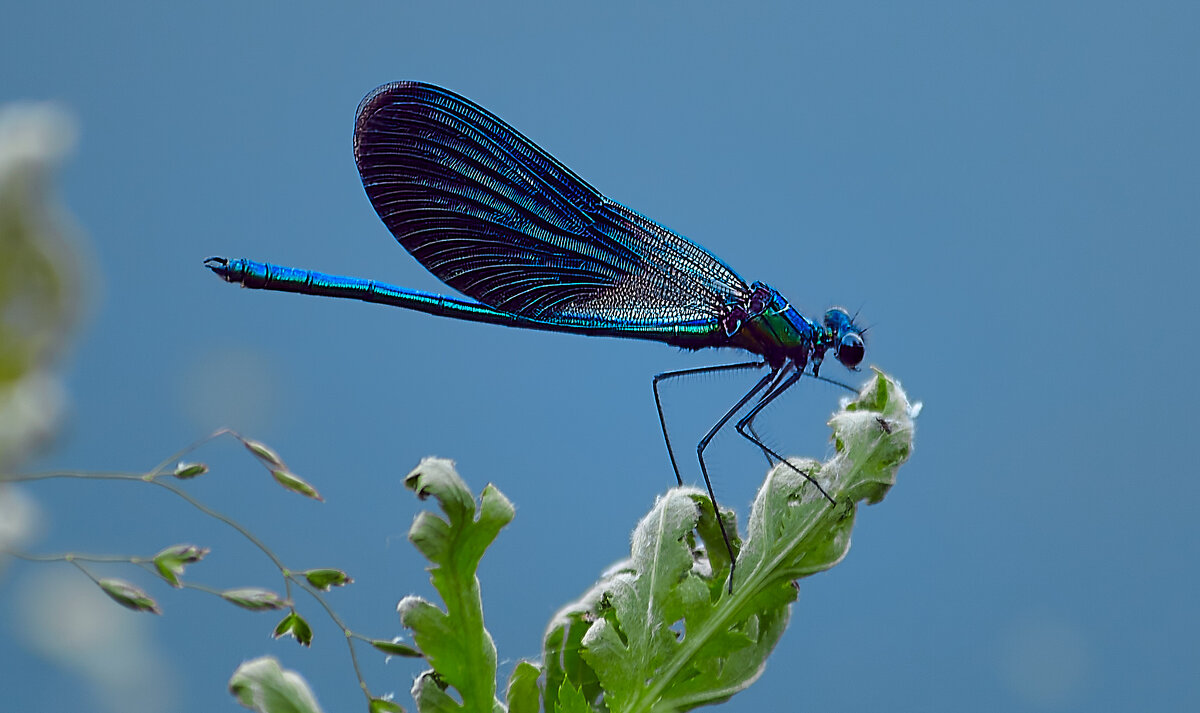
(769, 326)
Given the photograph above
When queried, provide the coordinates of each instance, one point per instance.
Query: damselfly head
(847, 337)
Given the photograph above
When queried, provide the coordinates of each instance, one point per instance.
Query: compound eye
(850, 350)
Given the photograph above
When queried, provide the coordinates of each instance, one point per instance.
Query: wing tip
(389, 95)
(379, 97)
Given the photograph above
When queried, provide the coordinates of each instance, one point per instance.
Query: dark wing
(500, 220)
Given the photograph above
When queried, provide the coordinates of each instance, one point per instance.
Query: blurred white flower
(63, 616)
(18, 518)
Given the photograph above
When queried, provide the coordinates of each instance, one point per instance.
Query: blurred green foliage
(40, 291)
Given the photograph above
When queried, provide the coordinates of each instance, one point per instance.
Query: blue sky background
(1010, 193)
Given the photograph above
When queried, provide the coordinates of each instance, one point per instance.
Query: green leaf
(264, 454)
(664, 633)
(429, 691)
(562, 645)
(171, 562)
(262, 685)
(128, 596)
(254, 599)
(185, 471)
(295, 483)
(384, 705)
(395, 648)
(324, 579)
(454, 640)
(295, 626)
(523, 695)
(571, 700)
